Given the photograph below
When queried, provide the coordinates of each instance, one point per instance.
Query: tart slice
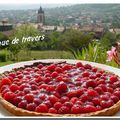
(60, 89)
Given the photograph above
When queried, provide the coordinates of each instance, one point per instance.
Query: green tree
(3, 38)
(26, 30)
(54, 40)
(74, 40)
(107, 40)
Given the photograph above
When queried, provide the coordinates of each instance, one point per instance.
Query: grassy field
(6, 63)
(23, 56)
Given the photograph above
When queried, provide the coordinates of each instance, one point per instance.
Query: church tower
(41, 16)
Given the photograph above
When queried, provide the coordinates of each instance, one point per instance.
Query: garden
(71, 44)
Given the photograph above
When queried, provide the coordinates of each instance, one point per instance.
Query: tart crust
(22, 112)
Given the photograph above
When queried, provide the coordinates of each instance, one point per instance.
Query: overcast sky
(60, 1)
(34, 4)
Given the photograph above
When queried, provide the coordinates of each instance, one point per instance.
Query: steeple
(40, 10)
(40, 16)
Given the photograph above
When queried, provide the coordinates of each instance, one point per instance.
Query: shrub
(3, 56)
(94, 53)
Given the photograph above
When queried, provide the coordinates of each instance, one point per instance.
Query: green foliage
(3, 38)
(95, 53)
(3, 56)
(22, 31)
(107, 40)
(74, 40)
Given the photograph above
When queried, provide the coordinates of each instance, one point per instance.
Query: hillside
(71, 14)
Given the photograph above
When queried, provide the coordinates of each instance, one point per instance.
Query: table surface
(5, 113)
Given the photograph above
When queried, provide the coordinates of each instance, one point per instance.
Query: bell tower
(41, 16)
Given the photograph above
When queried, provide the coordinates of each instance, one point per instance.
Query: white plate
(5, 113)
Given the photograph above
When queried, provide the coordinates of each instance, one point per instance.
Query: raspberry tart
(60, 89)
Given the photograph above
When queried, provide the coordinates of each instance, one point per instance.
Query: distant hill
(65, 14)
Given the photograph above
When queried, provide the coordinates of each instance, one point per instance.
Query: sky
(56, 1)
(34, 4)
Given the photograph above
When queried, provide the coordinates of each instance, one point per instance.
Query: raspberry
(54, 74)
(17, 100)
(29, 97)
(61, 87)
(113, 79)
(64, 99)
(20, 76)
(99, 90)
(78, 102)
(71, 94)
(84, 97)
(73, 99)
(104, 88)
(50, 88)
(110, 90)
(101, 81)
(114, 98)
(91, 83)
(85, 74)
(26, 90)
(9, 96)
(76, 109)
(40, 66)
(5, 81)
(117, 93)
(22, 104)
(31, 106)
(104, 97)
(47, 79)
(68, 104)
(12, 75)
(98, 107)
(51, 67)
(20, 93)
(56, 94)
(79, 64)
(53, 99)
(24, 85)
(28, 69)
(94, 69)
(92, 92)
(66, 67)
(42, 96)
(89, 103)
(90, 108)
(98, 74)
(14, 87)
(37, 101)
(106, 104)
(42, 108)
(64, 110)
(4, 87)
(48, 103)
(34, 87)
(58, 69)
(39, 79)
(57, 105)
(59, 78)
(96, 101)
(52, 110)
(87, 66)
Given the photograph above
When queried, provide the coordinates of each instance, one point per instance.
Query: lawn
(6, 63)
(23, 56)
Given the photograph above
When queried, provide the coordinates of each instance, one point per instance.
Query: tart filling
(60, 88)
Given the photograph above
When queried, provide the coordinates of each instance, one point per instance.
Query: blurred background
(72, 31)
